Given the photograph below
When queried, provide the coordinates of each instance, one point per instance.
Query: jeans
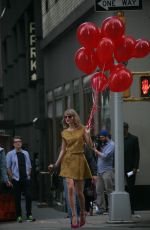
(25, 187)
(104, 184)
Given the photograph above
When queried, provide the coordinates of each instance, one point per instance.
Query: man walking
(19, 170)
(131, 162)
(105, 170)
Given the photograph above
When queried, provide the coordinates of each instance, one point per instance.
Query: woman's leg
(66, 198)
(79, 185)
(71, 198)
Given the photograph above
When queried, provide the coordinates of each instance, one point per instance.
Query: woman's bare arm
(61, 154)
(87, 138)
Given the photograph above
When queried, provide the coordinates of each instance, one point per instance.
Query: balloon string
(93, 110)
(103, 68)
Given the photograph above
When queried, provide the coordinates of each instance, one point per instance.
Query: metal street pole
(120, 210)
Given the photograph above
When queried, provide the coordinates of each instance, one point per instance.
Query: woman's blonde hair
(76, 118)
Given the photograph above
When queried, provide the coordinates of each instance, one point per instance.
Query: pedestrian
(3, 171)
(131, 162)
(90, 184)
(105, 170)
(36, 173)
(19, 170)
(74, 166)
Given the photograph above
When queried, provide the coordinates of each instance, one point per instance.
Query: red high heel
(82, 219)
(74, 225)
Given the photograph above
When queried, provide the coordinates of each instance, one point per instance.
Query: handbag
(90, 191)
(56, 182)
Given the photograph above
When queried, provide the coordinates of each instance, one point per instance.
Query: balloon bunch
(102, 48)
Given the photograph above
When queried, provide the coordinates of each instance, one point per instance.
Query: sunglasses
(17, 141)
(68, 116)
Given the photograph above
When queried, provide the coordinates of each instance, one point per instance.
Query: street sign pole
(119, 210)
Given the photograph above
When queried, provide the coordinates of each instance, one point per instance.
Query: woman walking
(74, 166)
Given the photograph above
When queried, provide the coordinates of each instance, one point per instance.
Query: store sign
(103, 5)
(32, 53)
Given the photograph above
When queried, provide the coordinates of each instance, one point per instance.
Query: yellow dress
(74, 164)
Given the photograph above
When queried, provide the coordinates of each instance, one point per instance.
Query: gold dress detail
(74, 164)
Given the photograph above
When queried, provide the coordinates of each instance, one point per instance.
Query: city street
(74, 113)
(49, 218)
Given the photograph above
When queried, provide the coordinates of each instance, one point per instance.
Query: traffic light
(145, 86)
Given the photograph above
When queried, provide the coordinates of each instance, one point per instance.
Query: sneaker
(30, 218)
(100, 212)
(136, 216)
(19, 219)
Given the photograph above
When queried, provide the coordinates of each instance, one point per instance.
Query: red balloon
(120, 80)
(142, 48)
(117, 67)
(125, 50)
(85, 60)
(99, 82)
(104, 51)
(88, 35)
(99, 34)
(113, 28)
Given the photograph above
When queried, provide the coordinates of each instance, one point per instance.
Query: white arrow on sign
(107, 4)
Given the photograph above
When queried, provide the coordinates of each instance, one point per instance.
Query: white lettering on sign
(33, 65)
(32, 52)
(32, 41)
(107, 4)
(32, 28)
(33, 77)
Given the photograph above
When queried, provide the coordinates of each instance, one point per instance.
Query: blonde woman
(74, 166)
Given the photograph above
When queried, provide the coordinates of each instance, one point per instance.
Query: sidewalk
(48, 218)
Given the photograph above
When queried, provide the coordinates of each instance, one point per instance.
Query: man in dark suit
(131, 162)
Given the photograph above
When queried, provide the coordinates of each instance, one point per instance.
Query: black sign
(106, 5)
(32, 54)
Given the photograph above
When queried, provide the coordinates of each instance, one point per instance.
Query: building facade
(23, 81)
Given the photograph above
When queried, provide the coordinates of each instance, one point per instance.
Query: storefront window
(105, 109)
(59, 108)
(87, 104)
(76, 99)
(67, 102)
(58, 91)
(50, 110)
(76, 102)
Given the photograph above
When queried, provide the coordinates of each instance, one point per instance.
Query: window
(88, 104)
(76, 103)
(105, 109)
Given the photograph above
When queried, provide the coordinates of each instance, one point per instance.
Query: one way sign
(103, 5)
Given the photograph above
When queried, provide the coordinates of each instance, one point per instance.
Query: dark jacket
(89, 187)
(3, 170)
(131, 153)
(90, 157)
